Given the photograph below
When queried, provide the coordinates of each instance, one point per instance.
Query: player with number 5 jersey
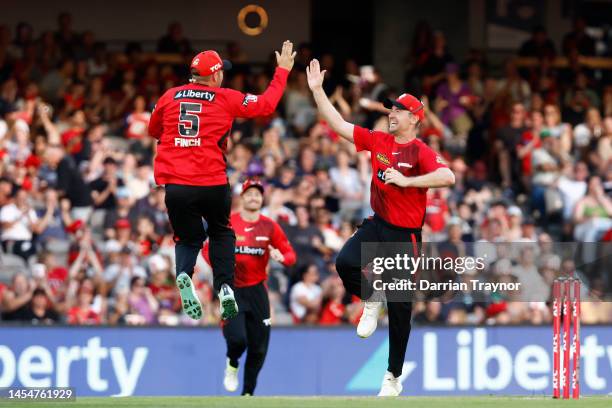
(192, 124)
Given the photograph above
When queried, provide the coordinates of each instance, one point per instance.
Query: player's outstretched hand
(276, 254)
(315, 75)
(286, 57)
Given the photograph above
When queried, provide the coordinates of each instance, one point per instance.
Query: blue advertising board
(301, 361)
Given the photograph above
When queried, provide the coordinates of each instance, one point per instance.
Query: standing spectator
(508, 138)
(305, 298)
(306, 239)
(453, 97)
(593, 213)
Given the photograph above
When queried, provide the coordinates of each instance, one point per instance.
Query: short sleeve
(364, 138)
(429, 160)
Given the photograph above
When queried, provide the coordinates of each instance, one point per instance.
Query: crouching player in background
(403, 168)
(258, 238)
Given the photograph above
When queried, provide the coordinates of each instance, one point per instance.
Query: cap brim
(227, 65)
(389, 103)
(260, 188)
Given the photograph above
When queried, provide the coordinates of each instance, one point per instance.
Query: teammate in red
(403, 168)
(258, 238)
(192, 123)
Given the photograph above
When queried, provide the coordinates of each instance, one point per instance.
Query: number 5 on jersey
(189, 121)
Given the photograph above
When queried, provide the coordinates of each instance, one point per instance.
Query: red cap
(208, 62)
(407, 102)
(252, 182)
(74, 227)
(122, 223)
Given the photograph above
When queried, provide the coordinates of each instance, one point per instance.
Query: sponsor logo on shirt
(262, 239)
(249, 98)
(248, 229)
(191, 94)
(240, 237)
(401, 164)
(440, 160)
(383, 159)
(247, 250)
(380, 174)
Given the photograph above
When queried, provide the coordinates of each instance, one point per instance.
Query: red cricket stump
(576, 345)
(566, 338)
(556, 335)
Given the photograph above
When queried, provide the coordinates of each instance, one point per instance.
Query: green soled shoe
(189, 299)
(229, 307)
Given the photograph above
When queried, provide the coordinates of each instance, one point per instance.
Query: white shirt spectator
(20, 231)
(571, 192)
(300, 289)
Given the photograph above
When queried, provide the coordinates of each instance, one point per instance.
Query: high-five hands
(315, 75)
(286, 57)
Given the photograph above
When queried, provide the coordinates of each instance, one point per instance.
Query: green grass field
(323, 402)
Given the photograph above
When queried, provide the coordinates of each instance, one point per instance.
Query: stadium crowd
(84, 232)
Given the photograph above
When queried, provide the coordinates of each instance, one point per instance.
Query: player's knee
(237, 342)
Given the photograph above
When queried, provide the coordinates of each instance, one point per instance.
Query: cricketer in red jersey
(258, 238)
(192, 123)
(403, 168)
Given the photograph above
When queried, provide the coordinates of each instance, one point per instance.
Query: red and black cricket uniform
(399, 213)
(192, 123)
(250, 330)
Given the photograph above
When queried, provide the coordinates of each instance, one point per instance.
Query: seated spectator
(593, 213)
(83, 312)
(174, 42)
(39, 310)
(578, 39)
(453, 97)
(16, 296)
(138, 121)
(19, 222)
(305, 298)
(334, 310)
(348, 185)
(142, 302)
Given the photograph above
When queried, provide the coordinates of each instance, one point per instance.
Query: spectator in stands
(16, 296)
(593, 213)
(84, 312)
(539, 45)
(142, 302)
(305, 298)
(347, 183)
(578, 39)
(19, 222)
(39, 310)
(104, 188)
(508, 139)
(174, 42)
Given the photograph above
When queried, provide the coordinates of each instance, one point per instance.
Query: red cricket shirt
(192, 123)
(400, 206)
(252, 253)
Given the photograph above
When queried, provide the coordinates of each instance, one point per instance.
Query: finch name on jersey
(187, 142)
(247, 250)
(191, 94)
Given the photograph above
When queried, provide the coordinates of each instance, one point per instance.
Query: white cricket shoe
(369, 319)
(230, 381)
(391, 386)
(229, 307)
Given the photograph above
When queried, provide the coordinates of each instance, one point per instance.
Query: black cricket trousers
(249, 331)
(187, 205)
(349, 267)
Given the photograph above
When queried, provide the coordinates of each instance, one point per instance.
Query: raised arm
(326, 109)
